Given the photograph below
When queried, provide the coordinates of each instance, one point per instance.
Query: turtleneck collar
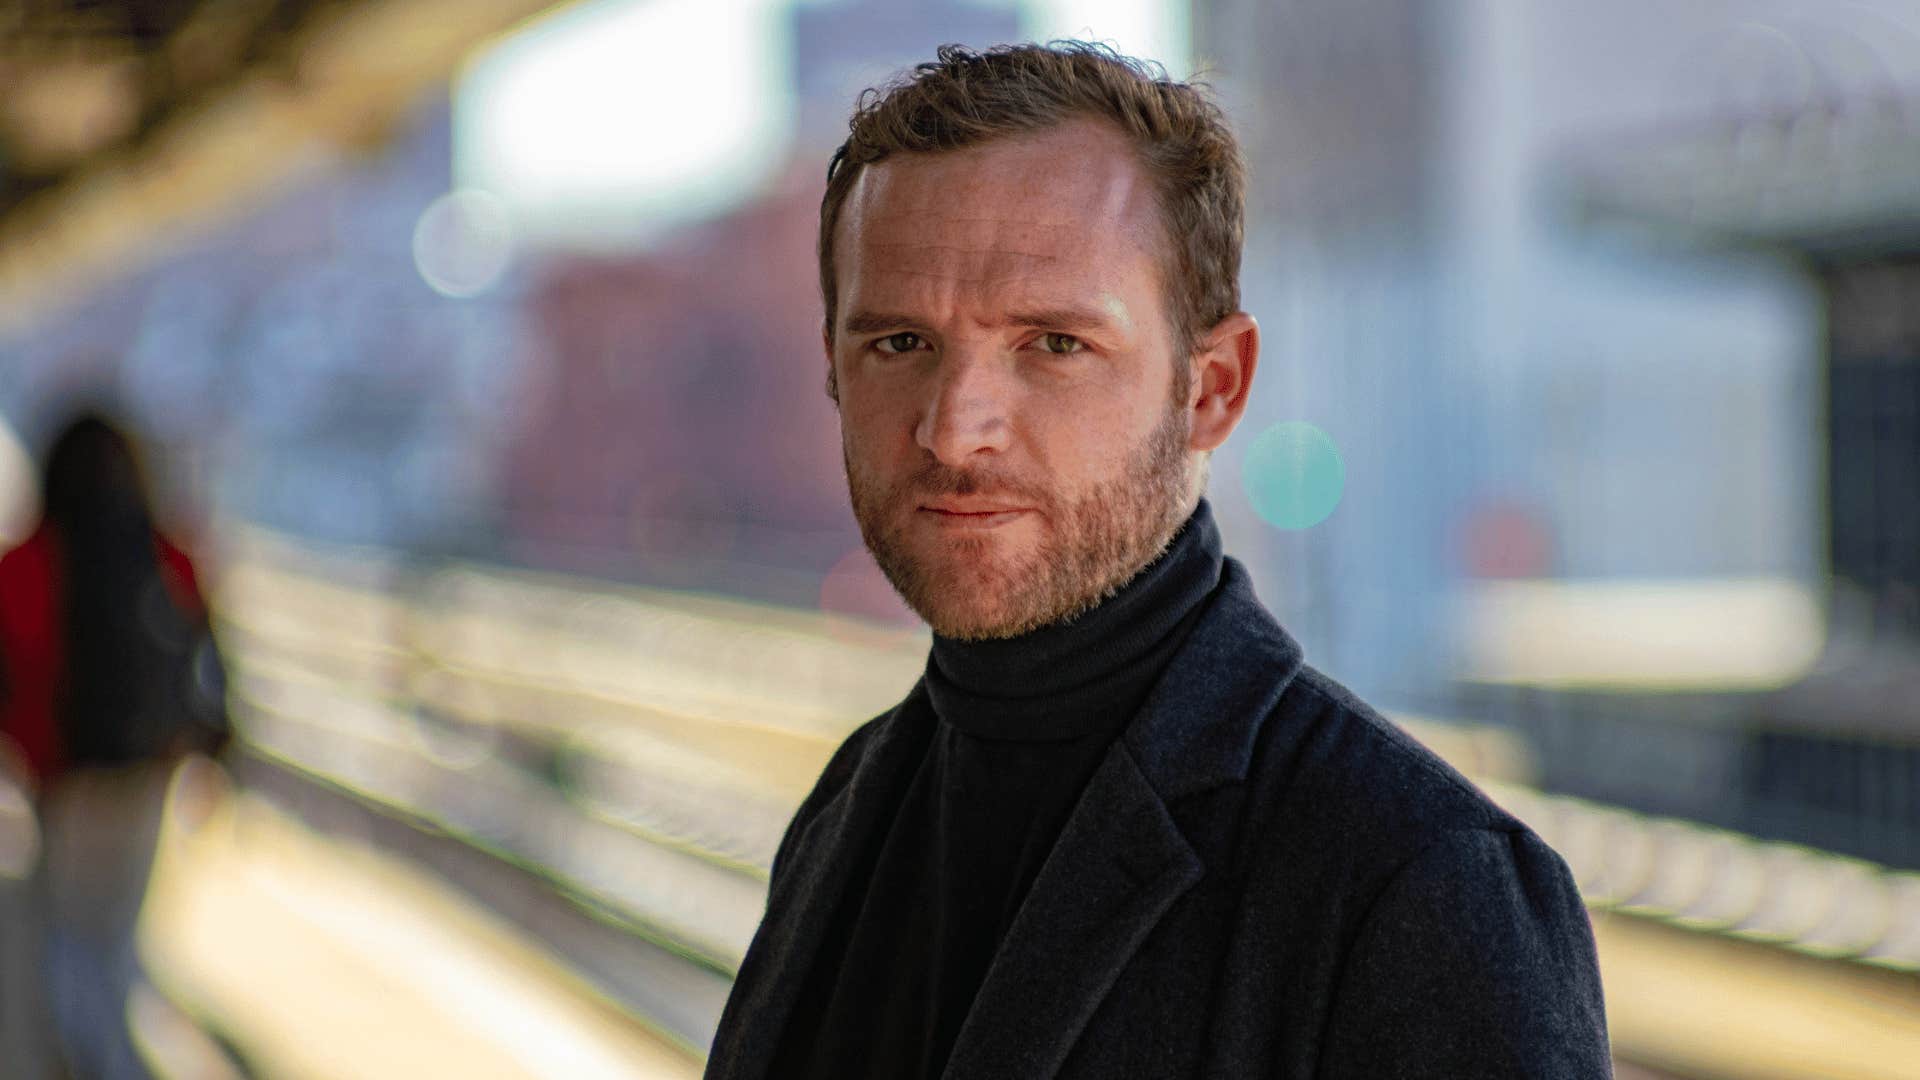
(1088, 674)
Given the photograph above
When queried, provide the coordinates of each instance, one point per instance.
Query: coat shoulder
(1336, 763)
(847, 757)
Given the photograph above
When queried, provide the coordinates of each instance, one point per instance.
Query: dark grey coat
(1264, 878)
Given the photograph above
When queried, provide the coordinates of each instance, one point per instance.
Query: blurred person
(107, 677)
(1119, 828)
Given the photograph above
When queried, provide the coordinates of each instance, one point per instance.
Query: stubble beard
(1091, 544)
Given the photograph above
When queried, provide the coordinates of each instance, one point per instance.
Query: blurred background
(472, 346)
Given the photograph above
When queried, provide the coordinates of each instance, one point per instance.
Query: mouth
(959, 514)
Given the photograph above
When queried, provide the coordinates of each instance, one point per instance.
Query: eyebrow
(868, 322)
(1066, 318)
(1063, 319)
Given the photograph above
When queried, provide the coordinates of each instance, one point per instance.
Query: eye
(1061, 344)
(906, 341)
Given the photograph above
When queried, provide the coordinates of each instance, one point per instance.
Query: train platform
(316, 958)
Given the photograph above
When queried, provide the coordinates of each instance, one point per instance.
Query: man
(1118, 829)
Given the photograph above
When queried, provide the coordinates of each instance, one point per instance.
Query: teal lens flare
(1293, 475)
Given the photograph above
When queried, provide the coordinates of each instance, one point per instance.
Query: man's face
(1005, 370)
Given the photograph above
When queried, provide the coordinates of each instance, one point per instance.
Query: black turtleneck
(1012, 731)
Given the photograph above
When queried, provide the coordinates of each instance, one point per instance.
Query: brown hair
(965, 97)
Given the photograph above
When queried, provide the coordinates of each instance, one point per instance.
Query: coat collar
(1120, 863)
(1198, 726)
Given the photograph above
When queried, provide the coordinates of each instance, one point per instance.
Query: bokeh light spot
(1293, 475)
(463, 242)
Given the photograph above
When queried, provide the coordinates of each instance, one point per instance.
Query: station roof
(122, 122)
(1838, 182)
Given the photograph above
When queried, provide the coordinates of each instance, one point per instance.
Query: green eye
(1061, 344)
(899, 343)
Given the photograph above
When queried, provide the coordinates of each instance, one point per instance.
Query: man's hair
(963, 98)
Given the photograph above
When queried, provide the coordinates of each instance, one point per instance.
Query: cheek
(872, 426)
(869, 413)
(1081, 433)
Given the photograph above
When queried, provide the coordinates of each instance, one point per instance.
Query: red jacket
(32, 641)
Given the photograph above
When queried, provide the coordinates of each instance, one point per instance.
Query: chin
(978, 622)
(972, 625)
(969, 589)
(980, 603)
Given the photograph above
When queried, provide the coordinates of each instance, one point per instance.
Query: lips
(971, 507)
(968, 514)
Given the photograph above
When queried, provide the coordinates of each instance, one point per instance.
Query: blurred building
(680, 428)
(1823, 179)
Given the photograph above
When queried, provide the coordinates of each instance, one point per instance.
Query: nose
(966, 413)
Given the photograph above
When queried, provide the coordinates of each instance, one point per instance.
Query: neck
(1073, 677)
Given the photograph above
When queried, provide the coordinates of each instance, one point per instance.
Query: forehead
(1060, 210)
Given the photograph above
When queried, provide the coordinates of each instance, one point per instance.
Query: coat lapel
(1119, 864)
(1122, 861)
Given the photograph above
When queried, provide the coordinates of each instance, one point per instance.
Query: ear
(826, 345)
(1222, 376)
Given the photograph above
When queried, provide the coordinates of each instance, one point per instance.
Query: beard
(1093, 542)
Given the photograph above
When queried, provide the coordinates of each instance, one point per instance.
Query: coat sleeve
(1477, 960)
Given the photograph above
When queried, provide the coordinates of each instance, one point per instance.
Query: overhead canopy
(121, 123)
(1842, 181)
